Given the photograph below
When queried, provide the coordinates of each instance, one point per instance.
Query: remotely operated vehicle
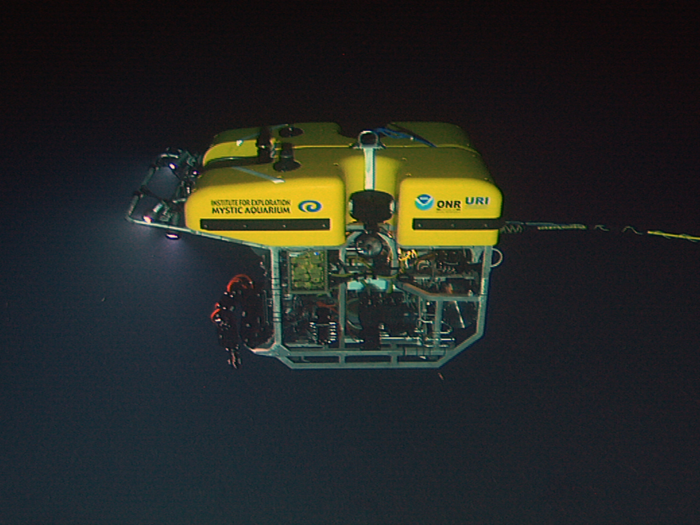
(377, 249)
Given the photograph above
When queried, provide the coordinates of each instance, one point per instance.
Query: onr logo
(449, 204)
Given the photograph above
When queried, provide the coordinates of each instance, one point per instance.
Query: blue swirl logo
(424, 202)
(310, 206)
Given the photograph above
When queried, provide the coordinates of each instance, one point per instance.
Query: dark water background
(581, 403)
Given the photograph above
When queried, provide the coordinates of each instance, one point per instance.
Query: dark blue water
(581, 403)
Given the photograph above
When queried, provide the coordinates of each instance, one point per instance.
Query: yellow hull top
(443, 194)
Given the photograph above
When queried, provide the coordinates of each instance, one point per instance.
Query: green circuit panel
(308, 272)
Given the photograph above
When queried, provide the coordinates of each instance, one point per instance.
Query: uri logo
(424, 202)
(310, 206)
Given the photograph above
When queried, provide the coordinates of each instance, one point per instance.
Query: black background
(581, 403)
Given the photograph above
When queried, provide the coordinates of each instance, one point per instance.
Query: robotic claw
(239, 322)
